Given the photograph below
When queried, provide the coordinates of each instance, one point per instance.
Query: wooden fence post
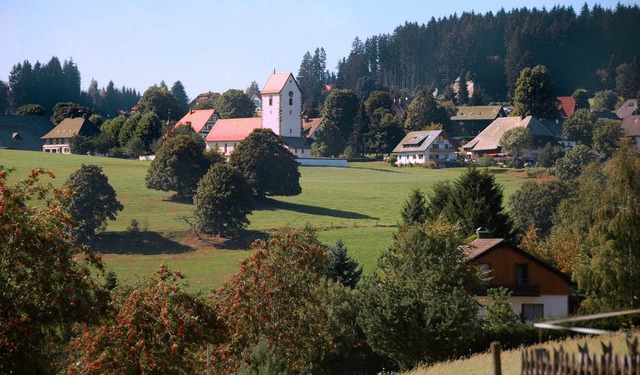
(208, 359)
(495, 351)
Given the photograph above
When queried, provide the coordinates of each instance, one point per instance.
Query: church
(281, 112)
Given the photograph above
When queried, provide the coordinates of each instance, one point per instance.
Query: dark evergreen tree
(628, 79)
(222, 202)
(385, 132)
(473, 200)
(414, 210)
(418, 307)
(4, 97)
(342, 268)
(269, 167)
(180, 94)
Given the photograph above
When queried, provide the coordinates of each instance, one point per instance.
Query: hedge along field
(343, 203)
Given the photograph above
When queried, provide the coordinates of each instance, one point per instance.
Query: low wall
(322, 162)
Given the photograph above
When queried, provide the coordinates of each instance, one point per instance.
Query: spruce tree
(414, 210)
(342, 268)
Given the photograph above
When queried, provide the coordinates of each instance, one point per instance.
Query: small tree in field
(515, 140)
(93, 201)
(414, 210)
(45, 280)
(342, 268)
(267, 165)
(222, 202)
(158, 329)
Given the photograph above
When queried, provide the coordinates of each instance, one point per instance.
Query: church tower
(282, 105)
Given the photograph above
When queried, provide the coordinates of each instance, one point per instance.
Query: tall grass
(481, 364)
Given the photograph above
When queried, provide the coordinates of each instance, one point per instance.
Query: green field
(355, 204)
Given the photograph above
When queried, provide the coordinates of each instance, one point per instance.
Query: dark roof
(295, 142)
(71, 127)
(23, 132)
(479, 113)
(606, 115)
(483, 246)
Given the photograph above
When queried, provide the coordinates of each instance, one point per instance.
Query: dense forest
(582, 50)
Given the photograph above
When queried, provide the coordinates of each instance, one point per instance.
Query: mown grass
(343, 203)
(481, 364)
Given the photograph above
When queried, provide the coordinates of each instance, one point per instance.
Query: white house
(281, 112)
(420, 147)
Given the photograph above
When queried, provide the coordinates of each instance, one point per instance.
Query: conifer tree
(342, 268)
(414, 210)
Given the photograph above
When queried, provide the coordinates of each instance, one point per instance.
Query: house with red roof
(201, 121)
(566, 106)
(628, 108)
(538, 290)
(310, 126)
(631, 128)
(281, 112)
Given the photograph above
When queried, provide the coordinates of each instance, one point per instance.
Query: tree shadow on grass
(146, 243)
(376, 169)
(242, 242)
(272, 204)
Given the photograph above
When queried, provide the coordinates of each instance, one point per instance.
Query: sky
(210, 45)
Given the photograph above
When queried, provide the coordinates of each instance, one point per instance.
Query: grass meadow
(358, 204)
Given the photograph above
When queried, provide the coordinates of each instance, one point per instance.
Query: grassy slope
(345, 203)
(481, 364)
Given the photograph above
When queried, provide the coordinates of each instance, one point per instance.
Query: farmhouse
(566, 106)
(423, 147)
(488, 141)
(310, 126)
(628, 108)
(469, 121)
(281, 112)
(539, 291)
(58, 139)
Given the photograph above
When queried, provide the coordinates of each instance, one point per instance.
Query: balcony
(517, 290)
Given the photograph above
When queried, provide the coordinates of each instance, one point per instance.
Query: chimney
(482, 232)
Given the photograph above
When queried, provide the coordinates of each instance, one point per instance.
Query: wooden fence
(559, 362)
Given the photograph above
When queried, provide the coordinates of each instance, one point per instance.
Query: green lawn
(355, 204)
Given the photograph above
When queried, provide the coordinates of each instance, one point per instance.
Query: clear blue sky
(209, 44)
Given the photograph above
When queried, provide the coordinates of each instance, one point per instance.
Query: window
(271, 100)
(290, 101)
(290, 131)
(522, 274)
(532, 312)
(486, 270)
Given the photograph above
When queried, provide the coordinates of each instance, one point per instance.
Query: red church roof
(276, 83)
(196, 118)
(235, 129)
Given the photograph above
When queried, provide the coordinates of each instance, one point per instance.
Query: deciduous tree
(179, 164)
(234, 104)
(275, 296)
(424, 111)
(605, 100)
(30, 110)
(46, 279)
(579, 127)
(158, 328)
(269, 167)
(535, 94)
(606, 137)
(222, 202)
(515, 140)
(93, 201)
(570, 165)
